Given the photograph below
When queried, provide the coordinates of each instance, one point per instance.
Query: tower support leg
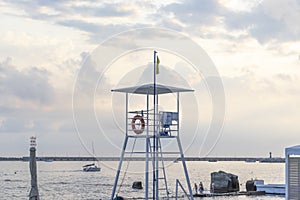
(119, 168)
(185, 169)
(147, 168)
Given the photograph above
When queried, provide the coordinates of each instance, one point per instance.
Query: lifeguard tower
(153, 126)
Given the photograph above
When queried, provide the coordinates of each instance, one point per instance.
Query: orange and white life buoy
(140, 122)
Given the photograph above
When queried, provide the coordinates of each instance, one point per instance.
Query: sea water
(66, 180)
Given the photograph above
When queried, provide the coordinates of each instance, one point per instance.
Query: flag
(157, 63)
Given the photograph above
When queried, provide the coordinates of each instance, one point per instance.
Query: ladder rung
(134, 152)
(161, 188)
(169, 152)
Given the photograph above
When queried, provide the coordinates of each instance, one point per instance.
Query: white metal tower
(154, 127)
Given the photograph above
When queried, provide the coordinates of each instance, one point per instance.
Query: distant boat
(212, 160)
(250, 160)
(91, 167)
(49, 160)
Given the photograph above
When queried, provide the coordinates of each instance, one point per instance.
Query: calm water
(65, 180)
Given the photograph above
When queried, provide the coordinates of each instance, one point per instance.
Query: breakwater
(88, 158)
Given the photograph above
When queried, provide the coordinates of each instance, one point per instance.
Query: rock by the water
(222, 182)
(137, 185)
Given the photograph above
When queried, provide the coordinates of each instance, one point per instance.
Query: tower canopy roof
(149, 89)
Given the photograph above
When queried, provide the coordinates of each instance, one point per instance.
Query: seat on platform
(166, 119)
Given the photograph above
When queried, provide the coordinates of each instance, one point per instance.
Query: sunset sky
(254, 45)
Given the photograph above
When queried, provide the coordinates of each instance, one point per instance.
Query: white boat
(91, 168)
(277, 189)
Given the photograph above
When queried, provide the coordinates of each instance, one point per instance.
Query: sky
(54, 84)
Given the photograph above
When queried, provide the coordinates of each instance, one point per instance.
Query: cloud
(260, 112)
(194, 12)
(89, 16)
(31, 103)
(27, 85)
(266, 20)
(103, 10)
(97, 32)
(270, 20)
(284, 77)
(99, 20)
(25, 95)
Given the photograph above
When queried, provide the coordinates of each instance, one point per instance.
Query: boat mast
(93, 153)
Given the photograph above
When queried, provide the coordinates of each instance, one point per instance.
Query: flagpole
(154, 128)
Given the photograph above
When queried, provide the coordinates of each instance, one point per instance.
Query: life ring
(142, 123)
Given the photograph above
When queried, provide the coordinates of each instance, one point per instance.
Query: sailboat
(91, 167)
